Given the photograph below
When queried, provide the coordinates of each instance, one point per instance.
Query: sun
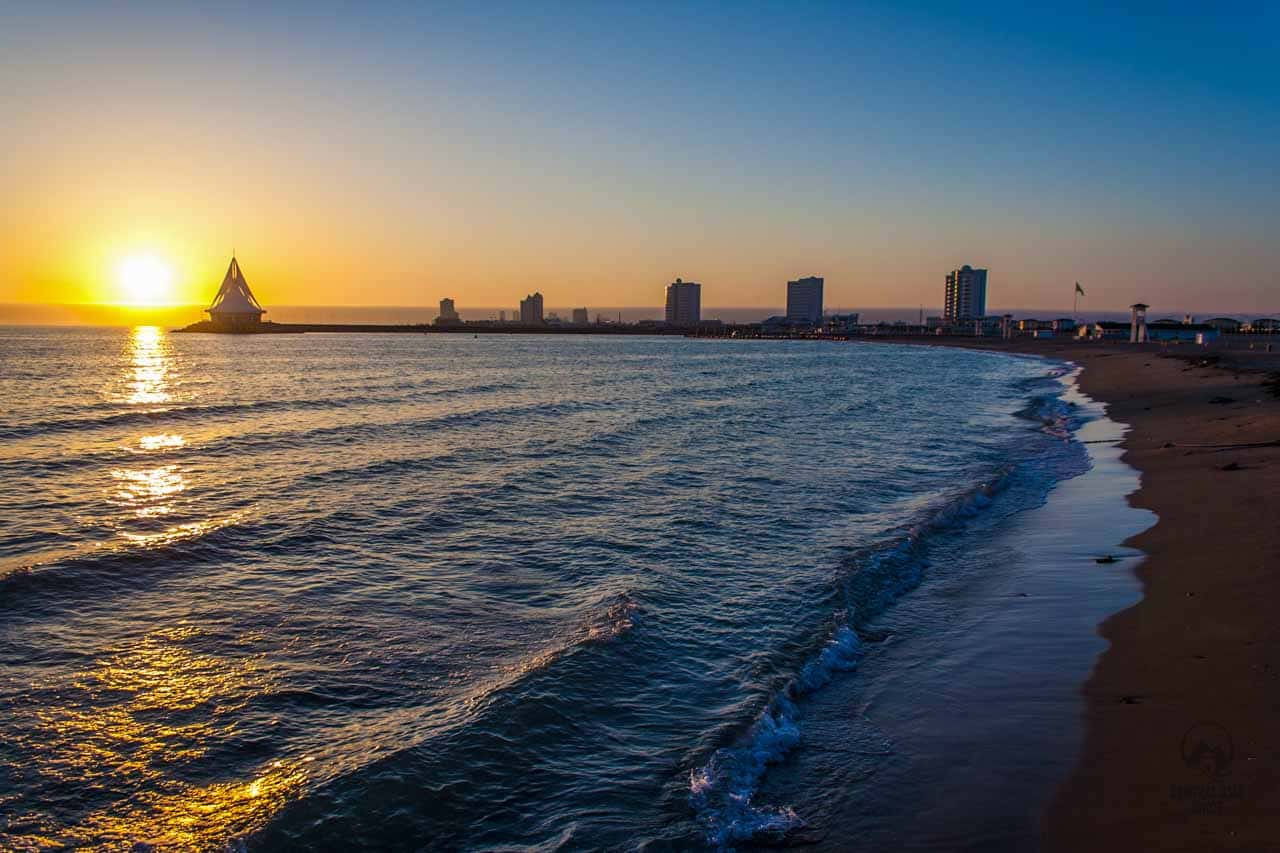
(145, 280)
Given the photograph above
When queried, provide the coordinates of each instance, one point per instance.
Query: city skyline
(386, 157)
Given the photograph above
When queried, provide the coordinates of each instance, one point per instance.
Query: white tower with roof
(235, 305)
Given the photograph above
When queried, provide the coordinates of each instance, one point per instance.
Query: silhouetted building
(684, 303)
(966, 296)
(1200, 333)
(1225, 325)
(580, 317)
(1104, 330)
(841, 324)
(234, 304)
(448, 314)
(804, 300)
(531, 309)
(991, 326)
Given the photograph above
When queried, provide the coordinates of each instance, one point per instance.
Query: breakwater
(208, 327)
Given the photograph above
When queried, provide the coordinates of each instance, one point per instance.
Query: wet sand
(966, 702)
(1182, 747)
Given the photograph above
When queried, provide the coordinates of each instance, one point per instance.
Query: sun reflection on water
(148, 714)
(161, 441)
(149, 495)
(147, 491)
(150, 358)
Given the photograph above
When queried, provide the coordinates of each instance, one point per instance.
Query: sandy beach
(1180, 751)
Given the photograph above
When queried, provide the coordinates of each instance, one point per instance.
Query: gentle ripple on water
(437, 591)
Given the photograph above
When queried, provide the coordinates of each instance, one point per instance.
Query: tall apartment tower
(966, 294)
(804, 300)
(684, 303)
(531, 309)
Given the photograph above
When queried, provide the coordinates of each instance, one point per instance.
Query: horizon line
(116, 306)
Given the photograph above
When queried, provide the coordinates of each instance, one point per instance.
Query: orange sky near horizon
(393, 157)
(313, 246)
(78, 204)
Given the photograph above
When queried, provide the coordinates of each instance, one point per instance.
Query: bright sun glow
(145, 280)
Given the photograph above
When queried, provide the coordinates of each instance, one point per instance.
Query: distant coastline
(208, 327)
(39, 314)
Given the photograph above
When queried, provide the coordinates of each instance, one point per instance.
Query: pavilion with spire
(234, 306)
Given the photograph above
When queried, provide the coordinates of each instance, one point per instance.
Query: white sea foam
(722, 791)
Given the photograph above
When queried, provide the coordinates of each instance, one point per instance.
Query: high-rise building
(684, 303)
(966, 296)
(580, 317)
(448, 314)
(531, 309)
(804, 300)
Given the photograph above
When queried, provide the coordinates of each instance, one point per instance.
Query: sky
(394, 154)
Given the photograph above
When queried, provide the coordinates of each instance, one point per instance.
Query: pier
(473, 328)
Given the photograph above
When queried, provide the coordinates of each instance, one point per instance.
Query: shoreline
(976, 693)
(1178, 751)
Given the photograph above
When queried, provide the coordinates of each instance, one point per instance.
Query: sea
(524, 592)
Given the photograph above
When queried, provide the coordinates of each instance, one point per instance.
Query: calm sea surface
(441, 592)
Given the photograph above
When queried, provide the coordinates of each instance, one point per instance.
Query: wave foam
(722, 790)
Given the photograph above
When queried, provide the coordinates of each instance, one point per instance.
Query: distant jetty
(236, 311)
(473, 327)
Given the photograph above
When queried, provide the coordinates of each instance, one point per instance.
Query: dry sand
(1182, 712)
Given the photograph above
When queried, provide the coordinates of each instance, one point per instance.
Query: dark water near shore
(438, 592)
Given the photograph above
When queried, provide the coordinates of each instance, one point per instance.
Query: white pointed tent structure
(234, 305)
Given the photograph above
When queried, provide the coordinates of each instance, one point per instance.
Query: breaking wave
(722, 790)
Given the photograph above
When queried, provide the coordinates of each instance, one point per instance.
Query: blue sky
(608, 147)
